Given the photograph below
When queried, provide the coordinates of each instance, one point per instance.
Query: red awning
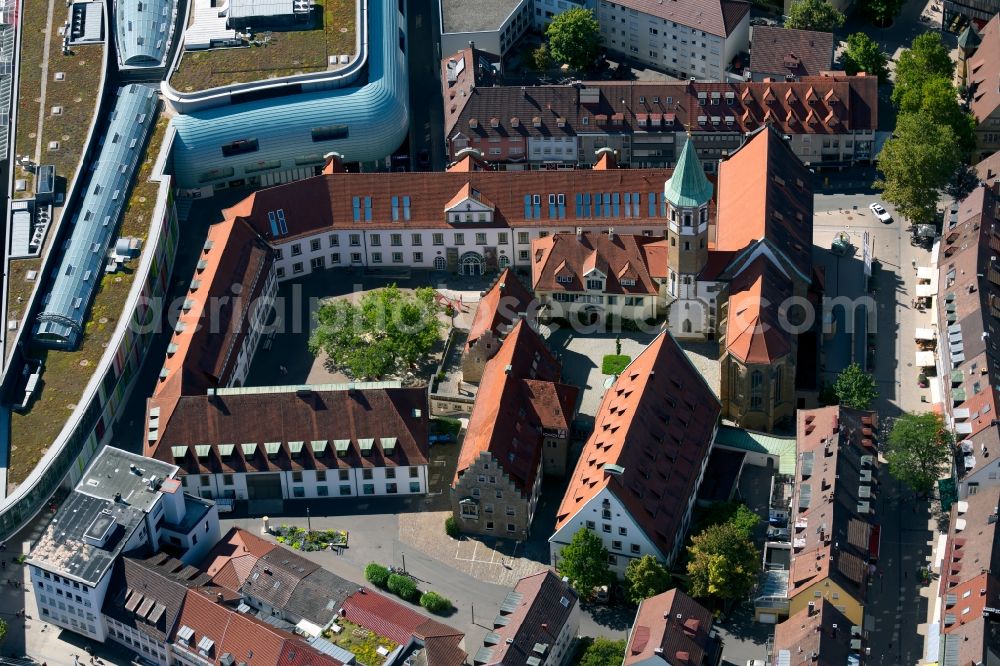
(875, 541)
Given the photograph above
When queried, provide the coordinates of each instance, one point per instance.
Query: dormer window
(595, 284)
(564, 279)
(627, 282)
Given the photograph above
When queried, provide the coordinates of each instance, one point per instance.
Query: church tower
(688, 194)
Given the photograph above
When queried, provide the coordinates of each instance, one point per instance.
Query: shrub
(403, 587)
(376, 574)
(451, 527)
(435, 603)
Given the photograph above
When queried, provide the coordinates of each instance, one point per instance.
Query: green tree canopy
(645, 578)
(814, 15)
(585, 562)
(574, 38)
(735, 513)
(855, 388)
(722, 563)
(937, 97)
(881, 12)
(863, 54)
(916, 164)
(386, 333)
(601, 652)
(919, 448)
(926, 58)
(541, 59)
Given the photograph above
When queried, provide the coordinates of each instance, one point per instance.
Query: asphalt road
(423, 63)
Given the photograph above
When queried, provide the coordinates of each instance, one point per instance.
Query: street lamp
(309, 528)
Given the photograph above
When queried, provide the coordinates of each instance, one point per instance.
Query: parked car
(880, 213)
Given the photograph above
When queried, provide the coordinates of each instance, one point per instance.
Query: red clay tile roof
(971, 549)
(292, 416)
(538, 616)
(517, 398)
(764, 193)
(831, 535)
(624, 257)
(234, 255)
(656, 422)
(657, 625)
(500, 306)
(754, 333)
(776, 51)
(230, 562)
(842, 104)
(969, 288)
(988, 170)
(984, 72)
(391, 619)
(326, 202)
(245, 638)
(810, 639)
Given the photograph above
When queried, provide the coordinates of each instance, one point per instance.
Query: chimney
(334, 163)
(472, 45)
(218, 597)
(611, 233)
(579, 233)
(545, 626)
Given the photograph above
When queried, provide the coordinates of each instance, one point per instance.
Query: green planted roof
(688, 187)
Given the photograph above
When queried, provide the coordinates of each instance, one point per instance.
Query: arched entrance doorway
(440, 263)
(472, 263)
(503, 261)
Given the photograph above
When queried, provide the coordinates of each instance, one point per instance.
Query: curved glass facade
(363, 124)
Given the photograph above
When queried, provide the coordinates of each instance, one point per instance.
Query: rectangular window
(418, 257)
(459, 239)
(375, 239)
(355, 240)
(397, 257)
(523, 238)
(416, 240)
(334, 240)
(240, 147)
(396, 240)
(314, 245)
(329, 132)
(376, 257)
(345, 490)
(480, 239)
(414, 486)
(437, 239)
(502, 238)
(366, 474)
(368, 489)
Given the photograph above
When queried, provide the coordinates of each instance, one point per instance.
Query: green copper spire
(969, 40)
(688, 187)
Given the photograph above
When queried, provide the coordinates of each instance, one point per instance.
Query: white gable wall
(618, 520)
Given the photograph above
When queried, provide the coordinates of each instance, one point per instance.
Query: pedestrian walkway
(490, 560)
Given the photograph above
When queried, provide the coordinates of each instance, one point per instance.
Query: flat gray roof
(92, 510)
(475, 16)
